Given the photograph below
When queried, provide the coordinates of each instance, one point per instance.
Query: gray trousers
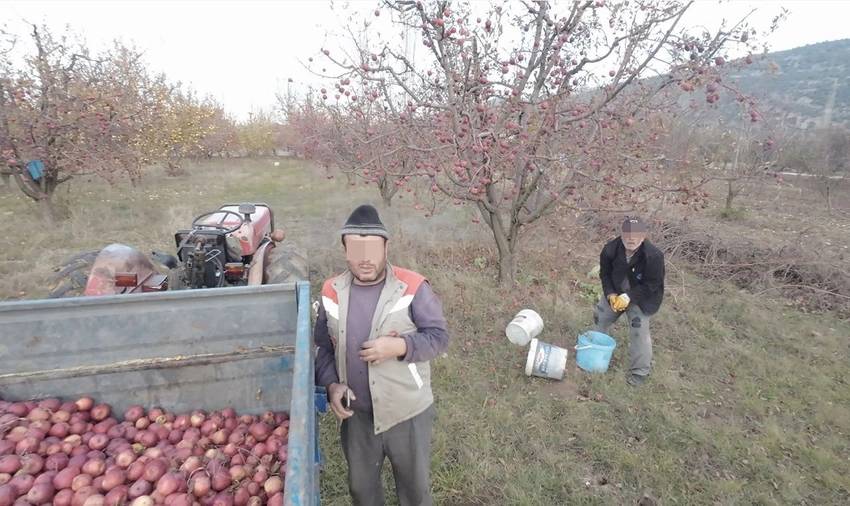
(408, 446)
(640, 342)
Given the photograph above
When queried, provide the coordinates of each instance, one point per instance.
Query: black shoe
(636, 380)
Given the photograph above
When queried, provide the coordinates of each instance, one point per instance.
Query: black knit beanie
(364, 221)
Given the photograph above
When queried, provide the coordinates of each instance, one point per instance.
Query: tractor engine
(204, 265)
(221, 246)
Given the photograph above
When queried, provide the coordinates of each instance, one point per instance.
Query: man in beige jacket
(378, 327)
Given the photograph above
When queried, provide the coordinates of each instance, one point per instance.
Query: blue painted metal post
(321, 407)
(302, 478)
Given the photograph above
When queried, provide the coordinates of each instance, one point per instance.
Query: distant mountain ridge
(803, 87)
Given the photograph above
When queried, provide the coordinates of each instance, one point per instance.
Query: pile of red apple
(78, 453)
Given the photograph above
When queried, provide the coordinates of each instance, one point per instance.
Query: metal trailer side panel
(249, 348)
(194, 349)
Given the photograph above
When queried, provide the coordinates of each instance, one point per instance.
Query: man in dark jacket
(632, 274)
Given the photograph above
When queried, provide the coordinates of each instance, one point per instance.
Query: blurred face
(633, 240)
(367, 258)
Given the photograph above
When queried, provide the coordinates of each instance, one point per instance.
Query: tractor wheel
(285, 264)
(70, 279)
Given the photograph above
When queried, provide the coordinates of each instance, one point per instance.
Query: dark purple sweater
(430, 339)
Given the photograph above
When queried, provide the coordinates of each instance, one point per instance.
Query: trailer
(249, 348)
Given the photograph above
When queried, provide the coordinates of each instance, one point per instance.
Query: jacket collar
(346, 279)
(638, 252)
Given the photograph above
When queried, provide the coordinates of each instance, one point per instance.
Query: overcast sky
(243, 52)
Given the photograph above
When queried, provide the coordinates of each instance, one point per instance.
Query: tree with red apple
(523, 109)
(65, 112)
(64, 108)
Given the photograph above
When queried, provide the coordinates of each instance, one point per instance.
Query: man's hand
(336, 391)
(621, 303)
(612, 301)
(383, 348)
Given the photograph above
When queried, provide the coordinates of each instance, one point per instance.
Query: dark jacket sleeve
(653, 279)
(325, 357)
(431, 337)
(606, 268)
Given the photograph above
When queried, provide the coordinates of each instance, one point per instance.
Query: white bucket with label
(546, 360)
(525, 326)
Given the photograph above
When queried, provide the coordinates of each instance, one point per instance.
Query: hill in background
(802, 87)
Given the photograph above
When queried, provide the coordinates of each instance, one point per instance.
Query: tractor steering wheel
(218, 226)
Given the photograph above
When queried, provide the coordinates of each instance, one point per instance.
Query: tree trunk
(506, 247)
(730, 195)
(135, 177)
(507, 267)
(48, 211)
(387, 191)
(173, 168)
(828, 199)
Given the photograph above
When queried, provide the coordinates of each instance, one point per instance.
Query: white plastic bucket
(546, 360)
(525, 326)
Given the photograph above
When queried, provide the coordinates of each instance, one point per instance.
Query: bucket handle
(590, 347)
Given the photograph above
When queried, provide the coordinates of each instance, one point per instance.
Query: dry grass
(740, 409)
(748, 402)
(306, 205)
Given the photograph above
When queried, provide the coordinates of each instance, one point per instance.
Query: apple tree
(62, 114)
(523, 108)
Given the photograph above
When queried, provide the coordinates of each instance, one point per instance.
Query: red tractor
(235, 245)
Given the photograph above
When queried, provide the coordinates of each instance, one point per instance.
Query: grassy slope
(748, 402)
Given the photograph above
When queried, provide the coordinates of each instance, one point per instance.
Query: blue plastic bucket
(36, 169)
(594, 350)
